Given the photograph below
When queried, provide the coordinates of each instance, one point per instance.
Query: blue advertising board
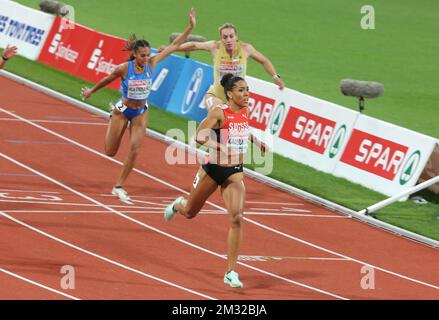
(193, 83)
(165, 77)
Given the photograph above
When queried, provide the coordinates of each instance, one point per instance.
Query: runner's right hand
(10, 51)
(161, 48)
(85, 93)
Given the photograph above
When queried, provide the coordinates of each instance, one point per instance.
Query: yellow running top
(223, 64)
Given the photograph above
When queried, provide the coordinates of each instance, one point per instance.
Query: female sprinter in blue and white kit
(136, 75)
(223, 167)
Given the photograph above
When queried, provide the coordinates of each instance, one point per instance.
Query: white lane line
(295, 215)
(162, 205)
(29, 191)
(73, 204)
(60, 122)
(146, 275)
(221, 208)
(307, 258)
(280, 258)
(148, 227)
(281, 203)
(160, 211)
(38, 284)
(137, 196)
(281, 210)
(76, 211)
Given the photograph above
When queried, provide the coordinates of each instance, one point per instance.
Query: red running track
(56, 210)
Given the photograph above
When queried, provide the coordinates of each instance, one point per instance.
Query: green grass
(313, 45)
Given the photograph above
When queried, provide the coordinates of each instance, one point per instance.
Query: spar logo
(337, 142)
(409, 167)
(260, 110)
(307, 130)
(374, 154)
(277, 118)
(192, 91)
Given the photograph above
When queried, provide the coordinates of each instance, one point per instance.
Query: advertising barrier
(65, 48)
(23, 27)
(101, 57)
(306, 129)
(431, 169)
(165, 77)
(376, 154)
(188, 93)
(383, 156)
(83, 52)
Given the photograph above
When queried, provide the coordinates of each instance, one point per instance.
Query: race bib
(238, 145)
(238, 137)
(236, 69)
(138, 89)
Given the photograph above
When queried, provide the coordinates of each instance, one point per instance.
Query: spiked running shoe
(169, 210)
(120, 193)
(232, 278)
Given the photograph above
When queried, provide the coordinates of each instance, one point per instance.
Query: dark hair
(133, 44)
(228, 82)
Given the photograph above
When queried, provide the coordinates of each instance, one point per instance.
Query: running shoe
(232, 278)
(121, 193)
(169, 210)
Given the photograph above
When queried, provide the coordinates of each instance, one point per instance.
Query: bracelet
(276, 76)
(5, 59)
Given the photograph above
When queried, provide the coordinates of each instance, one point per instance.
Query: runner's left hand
(9, 51)
(85, 93)
(192, 19)
(280, 83)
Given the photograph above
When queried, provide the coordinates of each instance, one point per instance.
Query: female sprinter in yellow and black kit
(229, 56)
(136, 76)
(223, 167)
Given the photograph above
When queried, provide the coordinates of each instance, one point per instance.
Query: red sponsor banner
(374, 154)
(83, 52)
(101, 57)
(65, 47)
(307, 130)
(260, 110)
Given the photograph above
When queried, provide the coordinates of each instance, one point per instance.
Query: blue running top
(136, 87)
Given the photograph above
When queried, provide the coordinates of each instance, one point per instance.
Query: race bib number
(238, 137)
(138, 89)
(236, 69)
(238, 145)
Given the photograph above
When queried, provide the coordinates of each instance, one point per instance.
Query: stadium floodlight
(361, 90)
(190, 38)
(54, 7)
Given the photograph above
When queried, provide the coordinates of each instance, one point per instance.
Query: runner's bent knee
(236, 219)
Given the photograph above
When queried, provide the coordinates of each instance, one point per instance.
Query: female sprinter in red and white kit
(224, 166)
